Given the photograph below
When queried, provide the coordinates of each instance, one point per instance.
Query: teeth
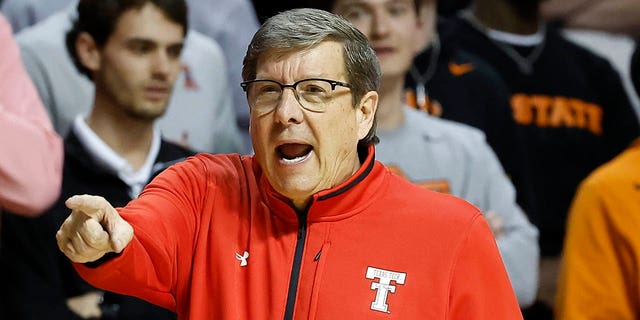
(296, 159)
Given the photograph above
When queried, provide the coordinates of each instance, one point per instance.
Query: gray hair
(302, 29)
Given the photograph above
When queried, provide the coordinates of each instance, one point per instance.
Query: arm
(517, 238)
(144, 249)
(595, 282)
(480, 287)
(617, 16)
(30, 151)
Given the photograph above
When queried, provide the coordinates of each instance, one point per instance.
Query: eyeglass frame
(333, 83)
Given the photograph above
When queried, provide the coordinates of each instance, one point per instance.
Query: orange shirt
(600, 278)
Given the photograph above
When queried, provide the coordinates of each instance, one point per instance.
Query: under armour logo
(242, 258)
(384, 286)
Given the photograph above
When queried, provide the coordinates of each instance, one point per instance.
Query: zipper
(320, 260)
(297, 262)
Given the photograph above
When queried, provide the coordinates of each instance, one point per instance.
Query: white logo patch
(243, 258)
(384, 286)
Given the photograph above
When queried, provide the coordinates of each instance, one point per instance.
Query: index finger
(92, 206)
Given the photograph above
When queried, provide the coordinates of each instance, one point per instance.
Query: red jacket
(213, 240)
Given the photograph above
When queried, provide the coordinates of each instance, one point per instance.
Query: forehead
(147, 21)
(325, 60)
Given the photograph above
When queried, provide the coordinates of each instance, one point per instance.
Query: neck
(502, 16)
(130, 138)
(389, 114)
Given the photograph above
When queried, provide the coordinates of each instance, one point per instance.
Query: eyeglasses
(312, 94)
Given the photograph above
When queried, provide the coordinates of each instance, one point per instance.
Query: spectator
(598, 275)
(453, 84)
(200, 114)
(131, 51)
(568, 102)
(311, 225)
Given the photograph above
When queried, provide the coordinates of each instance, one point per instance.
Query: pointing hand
(93, 229)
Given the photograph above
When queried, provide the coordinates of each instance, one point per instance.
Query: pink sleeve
(30, 150)
(479, 282)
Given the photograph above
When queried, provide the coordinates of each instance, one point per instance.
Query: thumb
(120, 231)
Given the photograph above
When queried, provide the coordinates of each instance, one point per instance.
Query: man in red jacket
(311, 226)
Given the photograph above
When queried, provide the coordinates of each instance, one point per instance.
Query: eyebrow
(147, 41)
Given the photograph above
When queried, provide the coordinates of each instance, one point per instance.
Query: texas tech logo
(384, 286)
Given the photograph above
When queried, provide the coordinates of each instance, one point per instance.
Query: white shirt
(106, 157)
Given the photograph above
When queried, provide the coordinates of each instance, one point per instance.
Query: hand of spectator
(93, 229)
(86, 306)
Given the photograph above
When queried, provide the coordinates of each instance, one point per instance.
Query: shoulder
(586, 57)
(426, 207)
(219, 167)
(199, 43)
(47, 32)
(618, 172)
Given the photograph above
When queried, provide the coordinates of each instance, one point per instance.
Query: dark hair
(300, 29)
(98, 18)
(327, 5)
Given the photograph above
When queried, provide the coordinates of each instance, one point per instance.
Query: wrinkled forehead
(323, 60)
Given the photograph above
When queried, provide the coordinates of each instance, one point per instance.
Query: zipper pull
(317, 257)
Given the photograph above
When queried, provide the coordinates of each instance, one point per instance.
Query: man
(30, 150)
(453, 84)
(438, 154)
(200, 114)
(310, 226)
(599, 269)
(131, 50)
(568, 102)
(231, 23)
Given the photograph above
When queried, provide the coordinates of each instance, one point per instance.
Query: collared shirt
(111, 160)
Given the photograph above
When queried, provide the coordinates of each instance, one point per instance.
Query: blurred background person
(131, 51)
(231, 23)
(599, 275)
(454, 84)
(568, 102)
(202, 116)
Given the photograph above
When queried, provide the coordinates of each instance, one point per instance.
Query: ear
(88, 51)
(366, 112)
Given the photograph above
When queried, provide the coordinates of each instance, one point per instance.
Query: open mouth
(292, 153)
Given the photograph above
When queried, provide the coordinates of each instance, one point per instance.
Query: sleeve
(518, 241)
(479, 284)
(594, 280)
(164, 219)
(30, 151)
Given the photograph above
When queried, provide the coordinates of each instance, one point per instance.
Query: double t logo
(384, 286)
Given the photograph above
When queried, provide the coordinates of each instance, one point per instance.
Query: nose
(288, 111)
(161, 64)
(379, 24)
